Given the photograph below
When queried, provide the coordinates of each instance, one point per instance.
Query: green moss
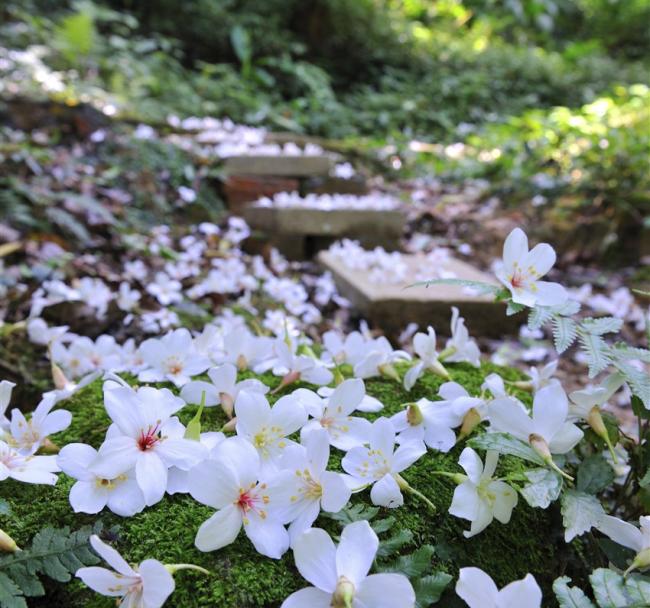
(240, 578)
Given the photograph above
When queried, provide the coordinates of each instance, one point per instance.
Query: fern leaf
(638, 380)
(602, 325)
(564, 333)
(55, 553)
(597, 351)
(11, 596)
(625, 352)
(479, 286)
(539, 316)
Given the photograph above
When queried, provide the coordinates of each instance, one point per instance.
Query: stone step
(393, 305)
(300, 232)
(278, 165)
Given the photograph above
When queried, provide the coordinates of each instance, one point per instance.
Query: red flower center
(148, 439)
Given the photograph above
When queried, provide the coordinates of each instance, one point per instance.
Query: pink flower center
(517, 280)
(252, 500)
(149, 438)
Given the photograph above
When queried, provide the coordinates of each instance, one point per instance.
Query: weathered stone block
(335, 185)
(240, 190)
(281, 166)
(302, 232)
(393, 305)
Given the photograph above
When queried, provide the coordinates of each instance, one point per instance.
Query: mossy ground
(240, 578)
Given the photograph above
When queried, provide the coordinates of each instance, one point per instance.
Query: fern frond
(597, 351)
(565, 332)
(55, 553)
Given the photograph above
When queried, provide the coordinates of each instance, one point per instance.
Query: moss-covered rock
(240, 578)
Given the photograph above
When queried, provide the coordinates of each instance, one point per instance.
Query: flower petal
(157, 583)
(385, 591)
(151, 474)
(269, 537)
(220, 530)
(316, 559)
(477, 588)
(111, 556)
(335, 492)
(472, 464)
(525, 592)
(356, 551)
(310, 597)
(213, 483)
(106, 581)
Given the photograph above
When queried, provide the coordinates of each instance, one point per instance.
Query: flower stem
(173, 568)
(405, 487)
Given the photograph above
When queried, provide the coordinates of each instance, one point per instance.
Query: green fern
(55, 553)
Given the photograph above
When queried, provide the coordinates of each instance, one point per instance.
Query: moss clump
(240, 577)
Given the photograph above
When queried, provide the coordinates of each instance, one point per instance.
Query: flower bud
(414, 414)
(343, 594)
(230, 425)
(227, 403)
(595, 421)
(641, 560)
(538, 443)
(241, 362)
(387, 370)
(471, 420)
(7, 543)
(439, 369)
(60, 381)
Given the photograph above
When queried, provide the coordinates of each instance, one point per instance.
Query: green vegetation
(239, 577)
(549, 97)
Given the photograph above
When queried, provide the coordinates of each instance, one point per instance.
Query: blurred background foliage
(539, 96)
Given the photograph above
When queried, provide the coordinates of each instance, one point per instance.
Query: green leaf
(413, 565)
(513, 308)
(594, 474)
(353, 513)
(394, 543)
(580, 513)
(504, 443)
(544, 487)
(428, 589)
(570, 597)
(609, 589)
(479, 286)
(638, 588)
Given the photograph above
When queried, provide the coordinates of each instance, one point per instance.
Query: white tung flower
(28, 435)
(172, 357)
(630, 536)
(230, 482)
(334, 414)
(29, 469)
(480, 498)
(223, 388)
(424, 346)
(315, 488)
(460, 346)
(140, 438)
(340, 574)
(380, 464)
(91, 493)
(521, 270)
(266, 427)
(547, 430)
(145, 586)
